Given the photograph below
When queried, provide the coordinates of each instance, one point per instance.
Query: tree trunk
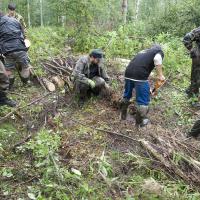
(124, 10)
(41, 13)
(137, 9)
(28, 11)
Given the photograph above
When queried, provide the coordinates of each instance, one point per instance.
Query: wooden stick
(18, 108)
(62, 69)
(22, 142)
(163, 160)
(54, 71)
(106, 131)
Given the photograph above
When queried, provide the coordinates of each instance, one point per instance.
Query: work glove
(161, 78)
(91, 83)
(159, 83)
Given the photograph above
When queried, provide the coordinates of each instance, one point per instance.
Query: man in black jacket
(136, 77)
(13, 48)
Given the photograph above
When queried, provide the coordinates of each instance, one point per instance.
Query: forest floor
(106, 158)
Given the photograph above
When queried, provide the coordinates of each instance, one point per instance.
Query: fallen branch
(57, 68)
(22, 107)
(22, 142)
(105, 131)
(164, 161)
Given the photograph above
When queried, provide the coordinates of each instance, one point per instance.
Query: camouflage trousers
(20, 61)
(4, 81)
(83, 90)
(195, 72)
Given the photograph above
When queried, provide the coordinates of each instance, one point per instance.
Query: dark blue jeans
(142, 91)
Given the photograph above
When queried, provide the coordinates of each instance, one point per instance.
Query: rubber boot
(195, 105)
(141, 115)
(192, 92)
(124, 107)
(4, 100)
(26, 81)
(11, 83)
(83, 95)
(195, 131)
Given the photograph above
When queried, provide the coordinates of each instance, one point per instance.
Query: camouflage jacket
(82, 70)
(20, 19)
(193, 36)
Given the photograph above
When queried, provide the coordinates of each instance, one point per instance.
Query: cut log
(58, 81)
(49, 85)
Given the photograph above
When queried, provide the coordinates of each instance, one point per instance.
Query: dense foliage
(156, 16)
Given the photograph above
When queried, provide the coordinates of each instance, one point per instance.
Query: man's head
(156, 46)
(11, 9)
(96, 56)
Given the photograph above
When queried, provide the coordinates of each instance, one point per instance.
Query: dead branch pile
(58, 72)
(179, 157)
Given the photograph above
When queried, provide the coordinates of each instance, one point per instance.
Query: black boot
(4, 100)
(195, 105)
(195, 131)
(26, 81)
(192, 92)
(124, 107)
(81, 102)
(83, 93)
(11, 83)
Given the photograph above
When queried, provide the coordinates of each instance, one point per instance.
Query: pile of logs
(58, 73)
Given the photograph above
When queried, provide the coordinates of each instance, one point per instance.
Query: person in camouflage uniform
(12, 46)
(90, 76)
(193, 36)
(17, 16)
(4, 84)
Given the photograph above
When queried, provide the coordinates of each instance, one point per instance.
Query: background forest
(155, 16)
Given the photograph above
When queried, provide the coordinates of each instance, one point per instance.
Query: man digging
(136, 77)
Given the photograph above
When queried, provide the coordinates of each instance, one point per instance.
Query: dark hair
(11, 6)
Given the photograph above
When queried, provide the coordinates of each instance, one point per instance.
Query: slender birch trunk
(28, 11)
(137, 9)
(41, 13)
(124, 10)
